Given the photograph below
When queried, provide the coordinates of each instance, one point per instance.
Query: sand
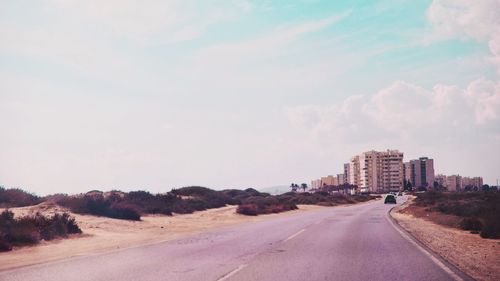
(101, 234)
(478, 257)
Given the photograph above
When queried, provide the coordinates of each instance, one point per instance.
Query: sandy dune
(104, 234)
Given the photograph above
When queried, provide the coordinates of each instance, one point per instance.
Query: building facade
(354, 171)
(347, 174)
(375, 171)
(454, 183)
(420, 172)
(459, 183)
(341, 179)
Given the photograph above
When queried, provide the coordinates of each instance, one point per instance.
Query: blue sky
(161, 94)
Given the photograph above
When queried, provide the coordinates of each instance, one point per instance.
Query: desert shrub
(96, 204)
(148, 203)
(30, 230)
(472, 224)
(480, 210)
(15, 197)
(203, 198)
(197, 191)
(320, 198)
(247, 209)
(59, 225)
(491, 229)
(428, 198)
(22, 231)
(255, 205)
(123, 211)
(466, 209)
(4, 245)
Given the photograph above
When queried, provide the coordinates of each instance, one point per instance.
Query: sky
(128, 95)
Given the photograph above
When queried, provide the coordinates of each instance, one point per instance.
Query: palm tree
(304, 186)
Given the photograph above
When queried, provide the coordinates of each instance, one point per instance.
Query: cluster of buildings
(384, 171)
(458, 183)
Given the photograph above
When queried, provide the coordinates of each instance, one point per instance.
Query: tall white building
(375, 171)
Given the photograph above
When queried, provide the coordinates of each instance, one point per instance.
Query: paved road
(343, 243)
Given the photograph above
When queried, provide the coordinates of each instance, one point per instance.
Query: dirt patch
(472, 254)
(101, 234)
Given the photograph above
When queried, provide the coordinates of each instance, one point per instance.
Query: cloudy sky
(159, 94)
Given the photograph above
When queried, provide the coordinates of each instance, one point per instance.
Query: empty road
(342, 243)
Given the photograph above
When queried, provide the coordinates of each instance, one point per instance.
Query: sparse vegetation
(15, 197)
(96, 204)
(30, 230)
(186, 200)
(266, 204)
(480, 210)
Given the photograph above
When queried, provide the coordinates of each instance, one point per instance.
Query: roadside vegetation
(14, 197)
(132, 205)
(479, 212)
(256, 205)
(30, 230)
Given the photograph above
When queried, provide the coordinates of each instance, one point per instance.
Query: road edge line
(445, 265)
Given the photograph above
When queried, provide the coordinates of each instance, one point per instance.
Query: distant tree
(410, 186)
(436, 186)
(294, 187)
(494, 188)
(486, 187)
(304, 186)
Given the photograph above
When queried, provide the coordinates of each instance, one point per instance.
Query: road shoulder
(471, 254)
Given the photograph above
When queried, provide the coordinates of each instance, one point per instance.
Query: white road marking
(294, 235)
(225, 277)
(429, 255)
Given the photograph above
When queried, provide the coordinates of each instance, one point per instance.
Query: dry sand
(478, 257)
(101, 234)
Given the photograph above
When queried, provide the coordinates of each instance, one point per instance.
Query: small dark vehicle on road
(390, 199)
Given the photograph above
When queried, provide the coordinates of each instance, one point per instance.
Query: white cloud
(484, 96)
(403, 110)
(479, 20)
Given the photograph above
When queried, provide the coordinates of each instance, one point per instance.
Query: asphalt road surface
(357, 242)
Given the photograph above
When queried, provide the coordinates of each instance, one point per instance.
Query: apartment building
(354, 171)
(347, 174)
(326, 181)
(472, 182)
(459, 183)
(315, 184)
(454, 183)
(392, 170)
(419, 172)
(375, 171)
(341, 179)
